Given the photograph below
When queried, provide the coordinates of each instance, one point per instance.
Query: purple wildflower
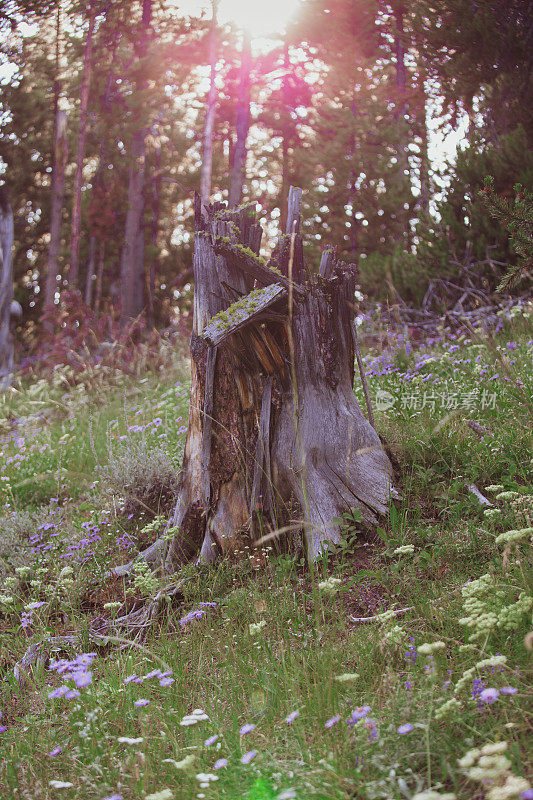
(141, 702)
(331, 722)
(72, 694)
(527, 795)
(113, 797)
(155, 673)
(292, 716)
(82, 679)
(246, 729)
(405, 728)
(489, 695)
(508, 690)
(166, 682)
(59, 692)
(55, 751)
(222, 762)
(249, 756)
(357, 714)
(211, 740)
(3, 728)
(371, 725)
(130, 678)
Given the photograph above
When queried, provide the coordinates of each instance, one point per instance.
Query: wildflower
(246, 729)
(346, 677)
(507, 496)
(292, 716)
(129, 740)
(492, 512)
(286, 794)
(55, 751)
(59, 692)
(332, 721)
(72, 694)
(60, 784)
(405, 548)
(256, 627)
(113, 797)
(166, 682)
(164, 794)
(508, 690)
(428, 648)
(141, 702)
(3, 728)
(371, 725)
(155, 673)
(185, 763)
(431, 795)
(527, 795)
(198, 715)
(222, 762)
(205, 779)
(489, 695)
(249, 756)
(405, 728)
(494, 487)
(330, 586)
(82, 679)
(357, 714)
(211, 740)
(450, 706)
(130, 678)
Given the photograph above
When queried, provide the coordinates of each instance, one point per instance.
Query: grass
(276, 641)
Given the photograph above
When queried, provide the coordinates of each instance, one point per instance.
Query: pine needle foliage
(516, 216)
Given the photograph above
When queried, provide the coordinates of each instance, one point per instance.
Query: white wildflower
(405, 548)
(129, 740)
(60, 784)
(256, 627)
(346, 677)
(330, 585)
(427, 648)
(164, 794)
(185, 763)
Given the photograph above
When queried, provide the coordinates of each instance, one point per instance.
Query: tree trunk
(6, 291)
(207, 149)
(400, 113)
(89, 278)
(80, 156)
(273, 421)
(132, 262)
(58, 188)
(242, 125)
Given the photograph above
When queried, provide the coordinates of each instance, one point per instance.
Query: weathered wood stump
(273, 419)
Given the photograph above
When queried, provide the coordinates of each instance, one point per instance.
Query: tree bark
(273, 419)
(132, 262)
(80, 155)
(242, 125)
(207, 148)
(6, 291)
(89, 278)
(58, 189)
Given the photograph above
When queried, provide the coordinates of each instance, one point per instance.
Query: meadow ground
(260, 683)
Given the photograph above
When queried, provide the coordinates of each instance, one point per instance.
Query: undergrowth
(261, 681)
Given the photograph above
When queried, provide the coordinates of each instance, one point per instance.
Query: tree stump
(273, 419)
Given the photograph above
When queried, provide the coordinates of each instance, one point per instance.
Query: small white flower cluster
(395, 635)
(346, 677)
(487, 765)
(330, 586)
(164, 794)
(405, 548)
(448, 708)
(515, 536)
(256, 627)
(428, 648)
(431, 794)
(507, 496)
(198, 715)
(205, 779)
(184, 764)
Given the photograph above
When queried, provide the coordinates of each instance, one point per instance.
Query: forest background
(113, 113)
